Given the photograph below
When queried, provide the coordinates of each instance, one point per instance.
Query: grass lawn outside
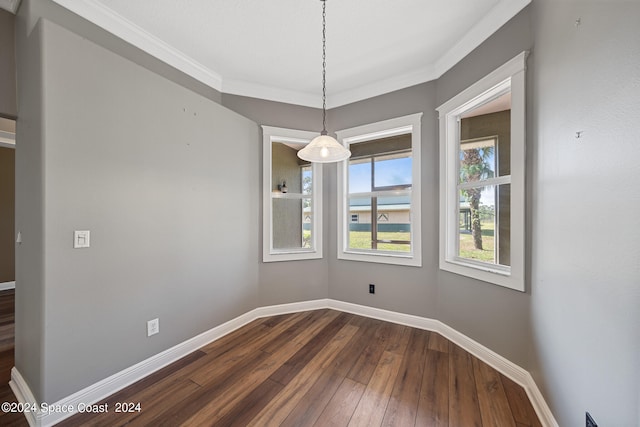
(487, 254)
(306, 239)
(362, 240)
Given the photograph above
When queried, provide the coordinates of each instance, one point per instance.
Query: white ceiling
(271, 49)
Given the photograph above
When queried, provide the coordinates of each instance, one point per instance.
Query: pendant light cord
(324, 148)
(324, 68)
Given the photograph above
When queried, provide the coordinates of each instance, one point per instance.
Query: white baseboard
(23, 395)
(275, 310)
(5, 286)
(98, 391)
(122, 379)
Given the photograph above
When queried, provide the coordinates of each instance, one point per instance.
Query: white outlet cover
(153, 327)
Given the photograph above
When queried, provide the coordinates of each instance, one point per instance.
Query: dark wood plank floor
(314, 368)
(323, 368)
(7, 315)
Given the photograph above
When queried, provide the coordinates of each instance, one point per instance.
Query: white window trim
(510, 75)
(383, 129)
(272, 134)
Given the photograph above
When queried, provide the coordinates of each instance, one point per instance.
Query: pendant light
(324, 148)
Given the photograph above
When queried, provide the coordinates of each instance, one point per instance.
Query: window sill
(279, 195)
(482, 266)
(293, 255)
(381, 258)
(501, 276)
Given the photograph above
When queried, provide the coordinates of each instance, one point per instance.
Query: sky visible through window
(488, 196)
(388, 172)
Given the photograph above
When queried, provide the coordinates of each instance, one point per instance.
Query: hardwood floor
(7, 315)
(322, 368)
(315, 368)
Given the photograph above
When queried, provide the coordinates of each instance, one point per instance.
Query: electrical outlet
(153, 327)
(590, 421)
(372, 288)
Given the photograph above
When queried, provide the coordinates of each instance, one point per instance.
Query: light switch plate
(81, 239)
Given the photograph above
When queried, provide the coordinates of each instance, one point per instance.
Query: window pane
(292, 215)
(380, 223)
(286, 170)
(484, 224)
(392, 170)
(394, 237)
(307, 180)
(483, 227)
(360, 223)
(477, 160)
(477, 219)
(376, 213)
(504, 224)
(292, 223)
(490, 121)
(360, 176)
(394, 231)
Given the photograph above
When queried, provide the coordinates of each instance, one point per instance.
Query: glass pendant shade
(324, 149)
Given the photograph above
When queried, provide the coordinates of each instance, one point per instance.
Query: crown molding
(381, 87)
(484, 28)
(102, 16)
(236, 87)
(270, 93)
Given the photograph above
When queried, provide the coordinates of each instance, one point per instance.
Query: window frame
(271, 134)
(410, 124)
(510, 76)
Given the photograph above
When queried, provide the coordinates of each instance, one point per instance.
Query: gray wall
(411, 290)
(288, 281)
(144, 164)
(497, 317)
(586, 227)
(7, 65)
(494, 316)
(30, 292)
